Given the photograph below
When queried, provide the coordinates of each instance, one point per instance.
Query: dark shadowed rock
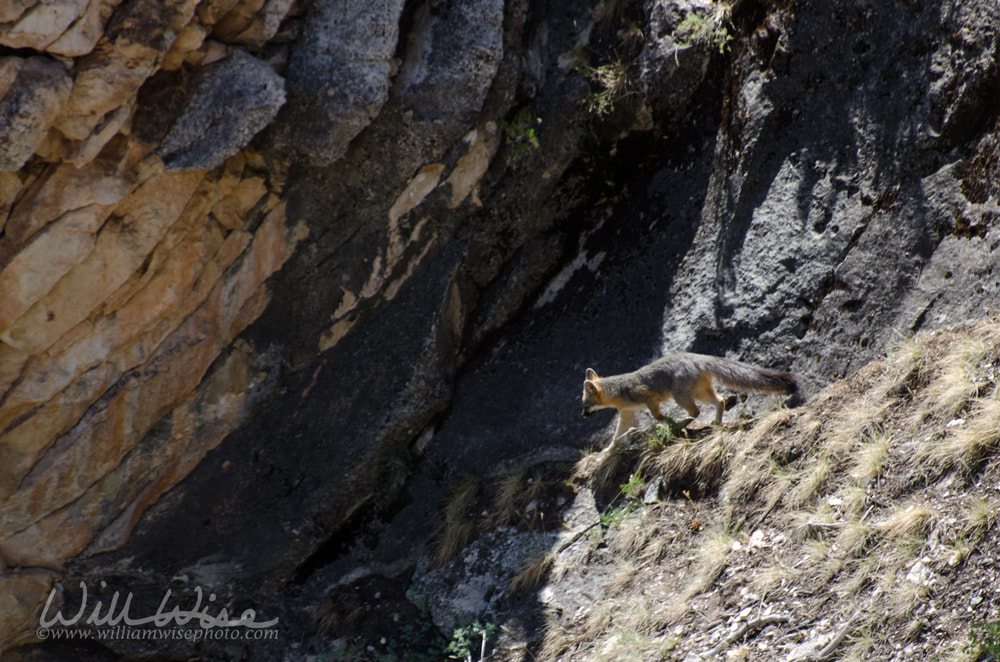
(672, 65)
(452, 59)
(232, 101)
(338, 75)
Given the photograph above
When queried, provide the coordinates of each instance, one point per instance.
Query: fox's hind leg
(706, 393)
(686, 401)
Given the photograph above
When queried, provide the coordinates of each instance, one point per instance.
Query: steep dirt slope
(862, 525)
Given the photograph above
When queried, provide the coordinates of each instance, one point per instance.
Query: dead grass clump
(766, 426)
(459, 524)
(635, 533)
(903, 594)
(746, 479)
(810, 483)
(869, 459)
(687, 462)
(956, 382)
(856, 420)
(340, 612)
(855, 539)
(616, 631)
(520, 498)
(858, 575)
(532, 574)
(967, 441)
(600, 470)
(911, 523)
(634, 634)
(557, 639)
(979, 516)
(508, 502)
(712, 558)
(773, 575)
(909, 368)
(854, 499)
(860, 645)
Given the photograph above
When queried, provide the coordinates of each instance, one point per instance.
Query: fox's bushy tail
(745, 377)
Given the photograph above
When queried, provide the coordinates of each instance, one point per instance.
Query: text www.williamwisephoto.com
(200, 620)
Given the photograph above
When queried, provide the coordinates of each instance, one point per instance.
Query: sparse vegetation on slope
(860, 526)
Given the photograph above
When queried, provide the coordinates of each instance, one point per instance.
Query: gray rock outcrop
(232, 100)
(32, 90)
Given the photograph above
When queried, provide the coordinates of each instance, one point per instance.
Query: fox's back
(671, 371)
(663, 376)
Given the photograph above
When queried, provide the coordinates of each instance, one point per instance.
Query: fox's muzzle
(587, 411)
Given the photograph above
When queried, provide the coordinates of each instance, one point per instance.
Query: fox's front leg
(625, 420)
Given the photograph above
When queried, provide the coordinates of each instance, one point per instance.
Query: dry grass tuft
(556, 639)
(340, 612)
(713, 557)
(746, 478)
(817, 550)
(532, 574)
(635, 533)
(849, 425)
(514, 495)
(955, 384)
(773, 575)
(766, 426)
(902, 596)
(598, 470)
(810, 483)
(966, 441)
(508, 502)
(854, 498)
(909, 367)
(855, 538)
(702, 462)
(869, 459)
(631, 632)
(979, 517)
(860, 646)
(908, 524)
(862, 574)
(459, 525)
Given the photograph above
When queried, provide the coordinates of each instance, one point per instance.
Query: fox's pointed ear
(591, 374)
(591, 387)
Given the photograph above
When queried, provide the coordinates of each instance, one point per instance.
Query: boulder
(338, 75)
(231, 101)
(32, 92)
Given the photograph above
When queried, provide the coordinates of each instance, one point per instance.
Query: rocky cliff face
(273, 274)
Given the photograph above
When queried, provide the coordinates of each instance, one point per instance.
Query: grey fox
(685, 377)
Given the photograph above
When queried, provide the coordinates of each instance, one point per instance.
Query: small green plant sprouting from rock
(698, 29)
(614, 83)
(984, 638)
(464, 638)
(522, 133)
(612, 519)
(633, 487)
(663, 434)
